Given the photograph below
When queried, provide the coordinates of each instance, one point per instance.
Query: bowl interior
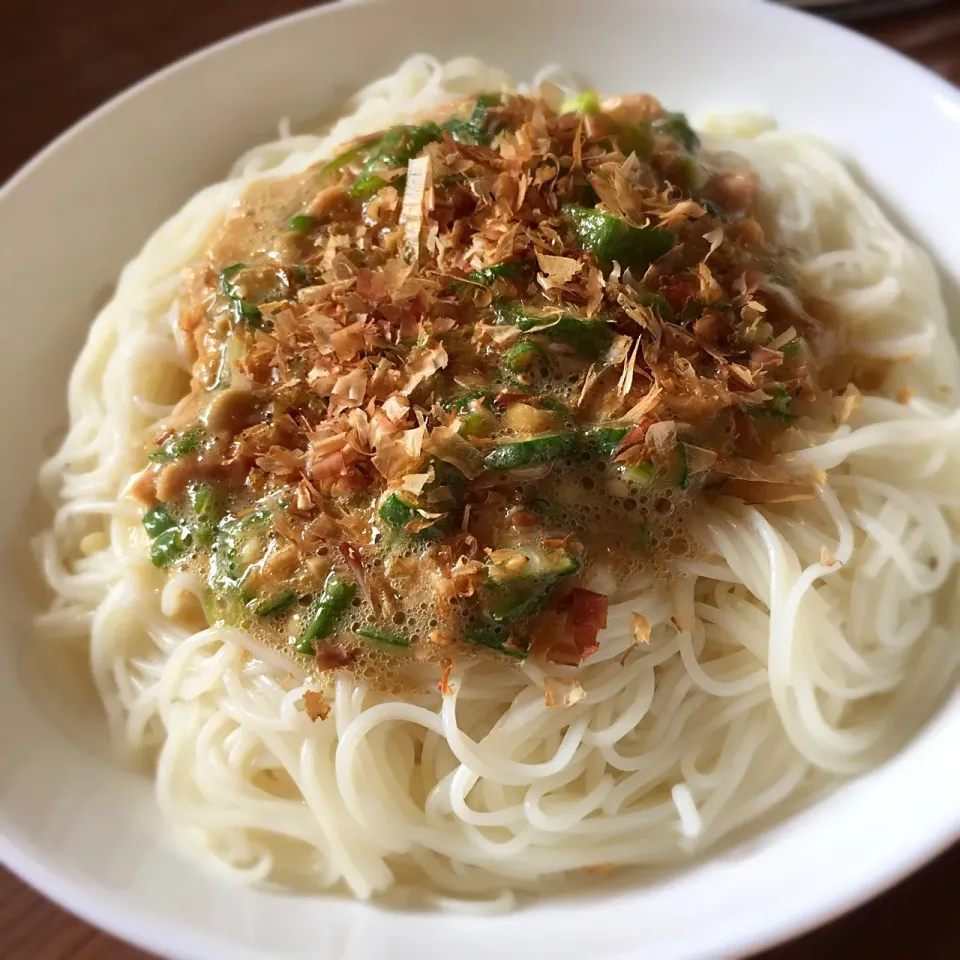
(85, 830)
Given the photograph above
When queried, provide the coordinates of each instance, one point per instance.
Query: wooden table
(61, 58)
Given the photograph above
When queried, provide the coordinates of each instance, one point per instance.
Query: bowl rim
(169, 937)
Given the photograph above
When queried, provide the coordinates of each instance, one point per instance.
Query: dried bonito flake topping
(447, 379)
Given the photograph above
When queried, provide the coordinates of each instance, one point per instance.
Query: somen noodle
(791, 644)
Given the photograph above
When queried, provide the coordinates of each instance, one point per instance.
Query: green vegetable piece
(398, 146)
(586, 102)
(241, 542)
(342, 159)
(224, 606)
(488, 276)
(530, 453)
(275, 604)
(476, 425)
(640, 474)
(366, 187)
(382, 637)
(206, 508)
(611, 238)
(335, 600)
(511, 313)
(781, 403)
(479, 127)
(203, 500)
(494, 636)
(461, 403)
(604, 439)
(795, 349)
(524, 355)
(246, 312)
(230, 353)
(301, 223)
(398, 512)
(157, 520)
(514, 596)
(226, 274)
(588, 338)
(167, 547)
(677, 126)
(778, 409)
(410, 141)
(177, 447)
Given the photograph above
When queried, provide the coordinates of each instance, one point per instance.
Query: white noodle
(779, 674)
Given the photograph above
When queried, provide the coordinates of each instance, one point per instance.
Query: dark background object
(61, 59)
(850, 10)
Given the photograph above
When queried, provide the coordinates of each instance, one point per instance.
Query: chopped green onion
(778, 409)
(203, 500)
(479, 127)
(611, 238)
(530, 453)
(461, 403)
(342, 159)
(398, 512)
(795, 349)
(513, 596)
(488, 276)
(241, 542)
(226, 275)
(383, 637)
(588, 338)
(244, 310)
(247, 311)
(157, 520)
(337, 596)
(301, 223)
(366, 187)
(276, 604)
(174, 449)
(586, 102)
(604, 439)
(494, 636)
(398, 146)
(477, 424)
(167, 547)
(677, 126)
(523, 355)
(640, 474)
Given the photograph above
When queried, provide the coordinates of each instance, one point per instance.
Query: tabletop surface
(61, 59)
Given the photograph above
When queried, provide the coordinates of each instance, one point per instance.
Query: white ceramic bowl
(86, 832)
